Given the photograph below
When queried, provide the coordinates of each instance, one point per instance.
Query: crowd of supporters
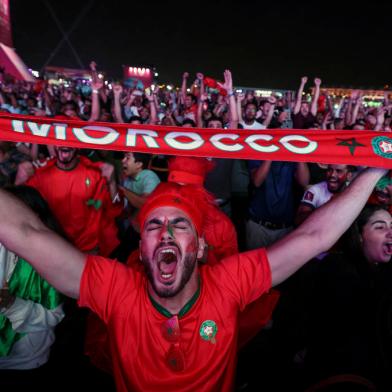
(264, 199)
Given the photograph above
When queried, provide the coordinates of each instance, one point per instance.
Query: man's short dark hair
(251, 103)
(215, 118)
(143, 158)
(193, 97)
(135, 118)
(72, 105)
(190, 122)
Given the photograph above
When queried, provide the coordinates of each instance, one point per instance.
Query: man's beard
(189, 267)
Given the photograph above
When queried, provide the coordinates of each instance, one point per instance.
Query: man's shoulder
(90, 165)
(320, 186)
(259, 254)
(147, 173)
(147, 176)
(45, 169)
(317, 194)
(107, 267)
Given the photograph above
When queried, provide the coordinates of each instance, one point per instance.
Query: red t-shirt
(80, 200)
(119, 296)
(191, 112)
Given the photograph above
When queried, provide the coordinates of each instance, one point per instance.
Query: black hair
(5, 147)
(143, 158)
(215, 118)
(190, 122)
(71, 103)
(135, 118)
(353, 236)
(193, 97)
(254, 103)
(33, 199)
(30, 97)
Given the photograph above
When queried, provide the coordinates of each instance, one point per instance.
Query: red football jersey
(80, 200)
(208, 331)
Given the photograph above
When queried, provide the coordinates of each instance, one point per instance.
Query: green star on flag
(351, 143)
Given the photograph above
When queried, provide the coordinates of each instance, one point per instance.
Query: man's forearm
(135, 200)
(302, 174)
(314, 105)
(22, 232)
(298, 99)
(117, 109)
(259, 175)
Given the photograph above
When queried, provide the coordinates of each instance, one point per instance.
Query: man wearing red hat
(173, 326)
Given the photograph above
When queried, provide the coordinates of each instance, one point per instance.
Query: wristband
(95, 91)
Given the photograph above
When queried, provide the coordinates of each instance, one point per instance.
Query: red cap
(189, 170)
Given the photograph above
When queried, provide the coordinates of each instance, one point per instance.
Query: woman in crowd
(351, 307)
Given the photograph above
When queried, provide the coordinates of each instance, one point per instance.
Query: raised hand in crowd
(349, 106)
(268, 116)
(380, 118)
(240, 103)
(117, 111)
(327, 122)
(228, 86)
(200, 78)
(96, 86)
(185, 77)
(93, 68)
(151, 97)
(316, 95)
(203, 98)
(357, 105)
(300, 91)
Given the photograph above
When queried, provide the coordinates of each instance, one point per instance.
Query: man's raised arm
(323, 227)
(24, 234)
(298, 100)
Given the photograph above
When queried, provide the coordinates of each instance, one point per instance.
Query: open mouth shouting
(65, 154)
(333, 184)
(167, 260)
(387, 248)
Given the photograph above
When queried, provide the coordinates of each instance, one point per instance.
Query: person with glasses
(173, 326)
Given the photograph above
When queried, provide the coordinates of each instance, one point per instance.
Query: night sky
(265, 44)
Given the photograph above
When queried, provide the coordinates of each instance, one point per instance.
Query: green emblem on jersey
(97, 204)
(208, 330)
(88, 182)
(382, 146)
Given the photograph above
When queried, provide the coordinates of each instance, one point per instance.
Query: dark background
(265, 44)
